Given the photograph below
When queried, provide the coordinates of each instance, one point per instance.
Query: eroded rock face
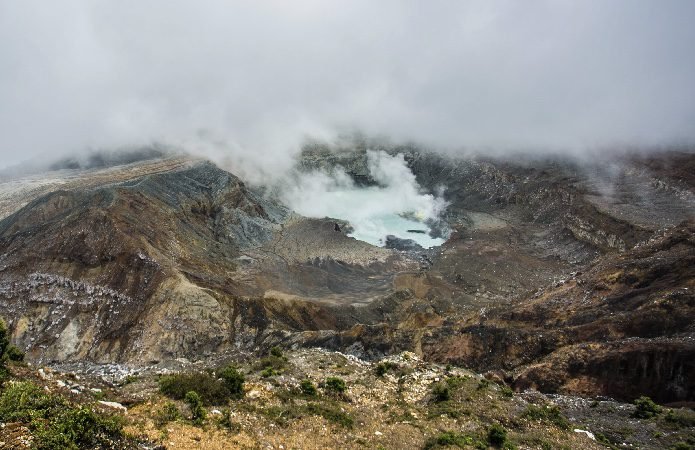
(548, 275)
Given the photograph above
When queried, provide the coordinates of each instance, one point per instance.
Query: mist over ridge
(252, 82)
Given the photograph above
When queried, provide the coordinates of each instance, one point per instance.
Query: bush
(441, 392)
(680, 419)
(194, 402)
(168, 413)
(269, 372)
(276, 352)
(507, 392)
(550, 414)
(80, 428)
(277, 363)
(383, 368)
(211, 390)
(497, 435)
(646, 408)
(335, 384)
(7, 350)
(13, 353)
(25, 402)
(233, 381)
(54, 422)
(307, 388)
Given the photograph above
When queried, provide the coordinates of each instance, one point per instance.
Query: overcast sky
(254, 78)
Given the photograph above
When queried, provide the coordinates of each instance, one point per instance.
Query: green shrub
(276, 363)
(80, 428)
(54, 422)
(24, 402)
(484, 383)
(168, 413)
(194, 402)
(682, 446)
(233, 381)
(7, 350)
(383, 368)
(680, 418)
(211, 390)
(13, 353)
(549, 414)
(307, 388)
(646, 408)
(335, 384)
(497, 435)
(441, 392)
(507, 392)
(276, 352)
(269, 372)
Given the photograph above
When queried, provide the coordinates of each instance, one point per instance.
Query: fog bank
(248, 81)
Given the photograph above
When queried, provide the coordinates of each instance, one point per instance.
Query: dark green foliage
(168, 413)
(683, 446)
(441, 392)
(25, 402)
(548, 414)
(276, 363)
(211, 390)
(80, 428)
(507, 392)
(233, 381)
(680, 418)
(497, 435)
(451, 439)
(335, 384)
(383, 368)
(57, 424)
(13, 353)
(484, 383)
(276, 352)
(646, 408)
(269, 372)
(7, 350)
(307, 388)
(194, 402)
(4, 337)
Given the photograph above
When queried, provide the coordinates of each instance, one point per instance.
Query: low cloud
(249, 81)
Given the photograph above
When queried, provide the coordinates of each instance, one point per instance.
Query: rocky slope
(563, 276)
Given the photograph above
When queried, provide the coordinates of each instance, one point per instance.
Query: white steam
(391, 208)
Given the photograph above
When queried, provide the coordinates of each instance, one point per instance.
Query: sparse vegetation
(452, 439)
(680, 418)
(548, 414)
